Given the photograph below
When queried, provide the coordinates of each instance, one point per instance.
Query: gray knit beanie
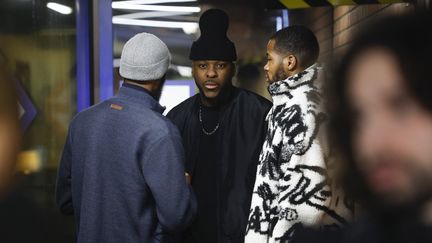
(144, 57)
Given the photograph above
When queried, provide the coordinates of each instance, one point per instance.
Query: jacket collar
(304, 77)
(141, 96)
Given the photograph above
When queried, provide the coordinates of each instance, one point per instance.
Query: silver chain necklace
(202, 124)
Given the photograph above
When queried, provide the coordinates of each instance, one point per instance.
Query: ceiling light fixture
(128, 6)
(154, 1)
(146, 15)
(188, 27)
(60, 8)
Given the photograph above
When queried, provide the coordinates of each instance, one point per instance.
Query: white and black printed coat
(291, 188)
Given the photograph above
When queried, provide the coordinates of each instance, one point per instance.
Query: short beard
(404, 200)
(280, 74)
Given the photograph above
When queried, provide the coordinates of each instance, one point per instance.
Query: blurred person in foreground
(122, 170)
(381, 113)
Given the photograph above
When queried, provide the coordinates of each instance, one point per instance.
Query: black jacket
(241, 135)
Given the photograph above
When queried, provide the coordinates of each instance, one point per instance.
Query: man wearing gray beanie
(223, 131)
(122, 172)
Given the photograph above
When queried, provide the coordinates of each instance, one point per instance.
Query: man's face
(274, 66)
(212, 77)
(392, 135)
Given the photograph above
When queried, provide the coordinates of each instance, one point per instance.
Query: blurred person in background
(122, 172)
(223, 131)
(292, 186)
(381, 119)
(9, 129)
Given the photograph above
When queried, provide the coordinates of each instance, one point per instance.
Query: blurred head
(290, 51)
(9, 129)
(382, 112)
(144, 61)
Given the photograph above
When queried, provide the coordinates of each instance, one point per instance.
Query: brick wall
(349, 19)
(320, 21)
(335, 27)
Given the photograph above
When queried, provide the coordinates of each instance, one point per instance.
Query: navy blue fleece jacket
(122, 172)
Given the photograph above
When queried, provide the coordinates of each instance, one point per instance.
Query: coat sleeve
(64, 180)
(164, 173)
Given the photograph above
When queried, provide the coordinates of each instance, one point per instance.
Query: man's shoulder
(163, 128)
(182, 108)
(129, 112)
(88, 113)
(255, 100)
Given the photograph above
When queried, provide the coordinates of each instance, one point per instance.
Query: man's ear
(289, 63)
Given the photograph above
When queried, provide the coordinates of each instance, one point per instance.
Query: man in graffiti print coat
(292, 187)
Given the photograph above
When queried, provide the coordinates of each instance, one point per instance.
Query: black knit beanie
(213, 43)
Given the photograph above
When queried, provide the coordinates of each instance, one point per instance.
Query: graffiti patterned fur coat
(291, 187)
